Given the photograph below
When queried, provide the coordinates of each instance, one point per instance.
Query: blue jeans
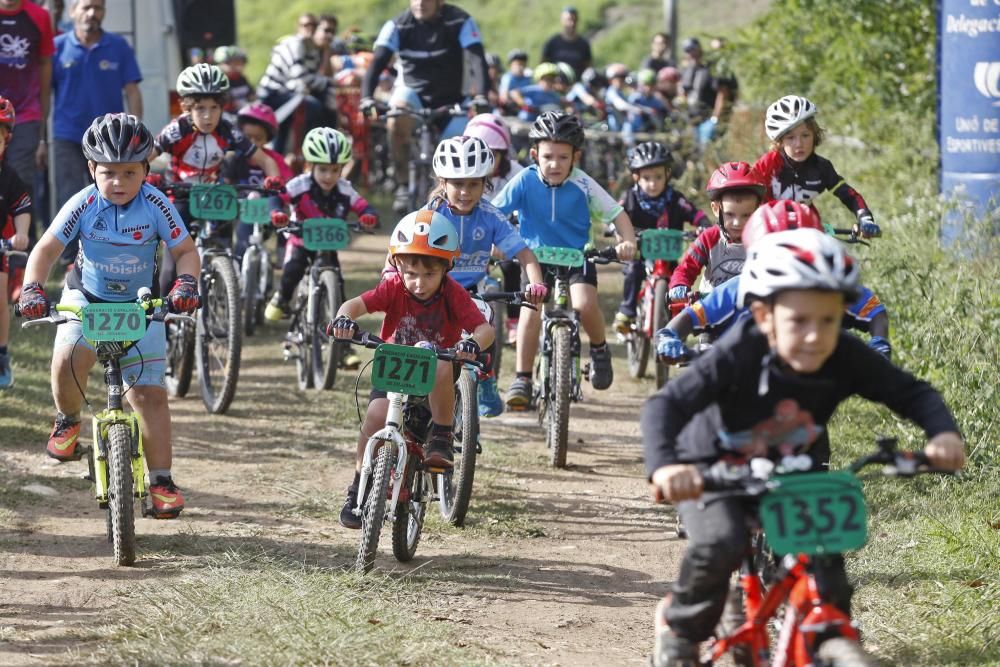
(317, 115)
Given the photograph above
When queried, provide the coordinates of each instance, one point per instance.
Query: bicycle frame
(390, 433)
(660, 270)
(560, 315)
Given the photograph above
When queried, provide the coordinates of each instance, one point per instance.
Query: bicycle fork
(100, 425)
(390, 433)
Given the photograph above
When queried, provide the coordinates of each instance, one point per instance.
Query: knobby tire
(121, 498)
(373, 512)
(251, 289)
(660, 321)
(560, 387)
(220, 319)
(409, 523)
(324, 304)
(458, 491)
(637, 344)
(180, 353)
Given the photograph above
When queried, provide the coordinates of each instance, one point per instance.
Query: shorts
(403, 96)
(144, 363)
(586, 274)
(456, 371)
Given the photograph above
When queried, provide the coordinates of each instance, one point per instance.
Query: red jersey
(25, 40)
(196, 157)
(440, 320)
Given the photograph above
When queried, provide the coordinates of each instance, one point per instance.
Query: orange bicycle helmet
(425, 233)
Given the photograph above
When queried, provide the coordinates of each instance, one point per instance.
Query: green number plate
(214, 202)
(815, 513)
(325, 234)
(404, 369)
(255, 211)
(570, 257)
(113, 321)
(828, 228)
(665, 244)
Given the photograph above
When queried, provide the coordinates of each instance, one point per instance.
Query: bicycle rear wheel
(298, 338)
(660, 321)
(637, 344)
(121, 499)
(323, 306)
(251, 289)
(373, 512)
(456, 491)
(219, 336)
(560, 387)
(409, 523)
(180, 358)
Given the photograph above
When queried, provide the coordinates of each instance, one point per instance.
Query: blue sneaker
(7, 374)
(490, 403)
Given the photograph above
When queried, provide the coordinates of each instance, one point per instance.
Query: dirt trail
(579, 587)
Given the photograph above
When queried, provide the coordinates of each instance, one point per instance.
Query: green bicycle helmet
(224, 54)
(545, 69)
(325, 145)
(202, 79)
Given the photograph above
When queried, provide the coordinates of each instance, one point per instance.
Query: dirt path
(574, 581)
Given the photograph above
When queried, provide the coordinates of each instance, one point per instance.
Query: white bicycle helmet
(202, 79)
(491, 129)
(463, 157)
(786, 113)
(797, 259)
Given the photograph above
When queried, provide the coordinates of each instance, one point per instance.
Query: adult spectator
(707, 96)
(658, 56)
(93, 68)
(307, 25)
(568, 46)
(300, 65)
(429, 39)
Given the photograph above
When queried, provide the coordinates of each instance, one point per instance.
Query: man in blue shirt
(90, 70)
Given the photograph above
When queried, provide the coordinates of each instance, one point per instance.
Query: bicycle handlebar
(144, 299)
(602, 255)
(371, 341)
(853, 235)
(7, 248)
(510, 298)
(184, 189)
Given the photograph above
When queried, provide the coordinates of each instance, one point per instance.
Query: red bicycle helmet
(734, 176)
(781, 215)
(6, 113)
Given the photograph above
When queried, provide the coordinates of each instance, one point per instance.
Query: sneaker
(490, 404)
(519, 393)
(62, 445)
(277, 309)
(350, 361)
(673, 651)
(166, 498)
(623, 323)
(6, 372)
(438, 452)
(601, 372)
(512, 331)
(347, 517)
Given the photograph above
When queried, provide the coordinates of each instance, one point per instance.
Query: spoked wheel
(180, 357)
(660, 321)
(121, 499)
(560, 386)
(219, 336)
(323, 306)
(843, 652)
(455, 486)
(373, 511)
(637, 344)
(410, 515)
(251, 289)
(299, 337)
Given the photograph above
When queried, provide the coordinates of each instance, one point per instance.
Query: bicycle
(557, 366)
(316, 301)
(393, 471)
(256, 267)
(803, 515)
(116, 462)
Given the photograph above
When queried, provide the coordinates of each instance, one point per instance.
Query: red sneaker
(166, 498)
(62, 445)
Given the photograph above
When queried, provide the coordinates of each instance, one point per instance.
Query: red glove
(368, 220)
(279, 219)
(183, 296)
(274, 183)
(154, 179)
(33, 303)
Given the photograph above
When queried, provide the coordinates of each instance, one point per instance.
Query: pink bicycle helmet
(259, 112)
(491, 129)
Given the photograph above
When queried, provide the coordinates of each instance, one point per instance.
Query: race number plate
(570, 257)
(102, 322)
(665, 244)
(325, 234)
(815, 513)
(255, 212)
(404, 369)
(214, 202)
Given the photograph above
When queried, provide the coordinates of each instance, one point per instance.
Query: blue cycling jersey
(478, 232)
(556, 215)
(117, 243)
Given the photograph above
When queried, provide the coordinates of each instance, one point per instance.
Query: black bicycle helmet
(593, 79)
(117, 138)
(650, 154)
(557, 126)
(516, 54)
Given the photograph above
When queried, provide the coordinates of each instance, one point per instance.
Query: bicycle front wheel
(325, 351)
(457, 483)
(660, 321)
(219, 336)
(121, 499)
(251, 289)
(409, 523)
(180, 358)
(560, 387)
(373, 511)
(637, 344)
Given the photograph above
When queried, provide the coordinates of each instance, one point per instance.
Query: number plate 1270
(815, 513)
(113, 321)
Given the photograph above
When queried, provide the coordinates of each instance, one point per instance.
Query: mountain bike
(257, 266)
(116, 462)
(557, 367)
(316, 301)
(805, 516)
(395, 484)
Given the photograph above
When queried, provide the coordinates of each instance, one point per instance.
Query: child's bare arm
(21, 224)
(484, 335)
(353, 308)
(265, 162)
(623, 226)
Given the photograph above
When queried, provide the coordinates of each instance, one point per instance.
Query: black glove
(342, 322)
(367, 106)
(468, 346)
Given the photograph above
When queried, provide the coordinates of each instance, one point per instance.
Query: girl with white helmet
(463, 166)
(791, 364)
(793, 170)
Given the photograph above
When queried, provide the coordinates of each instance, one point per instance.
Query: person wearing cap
(515, 77)
(568, 46)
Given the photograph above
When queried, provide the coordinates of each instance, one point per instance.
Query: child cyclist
(15, 218)
(650, 203)
(794, 355)
(422, 304)
(463, 166)
(735, 192)
(555, 201)
(120, 222)
(793, 170)
(717, 311)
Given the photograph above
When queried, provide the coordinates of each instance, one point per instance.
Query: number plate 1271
(815, 513)
(113, 321)
(404, 369)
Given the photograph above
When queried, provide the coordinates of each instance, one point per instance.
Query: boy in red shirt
(421, 304)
